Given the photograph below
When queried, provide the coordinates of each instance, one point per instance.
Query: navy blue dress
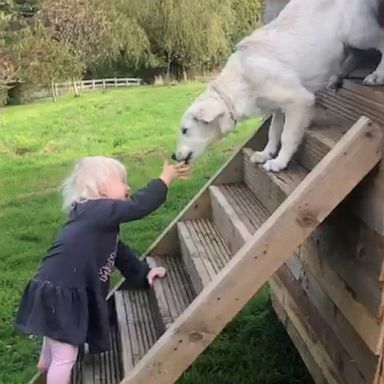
(65, 300)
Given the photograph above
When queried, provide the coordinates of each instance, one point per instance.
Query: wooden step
(318, 140)
(137, 325)
(237, 213)
(103, 368)
(204, 251)
(174, 292)
(270, 188)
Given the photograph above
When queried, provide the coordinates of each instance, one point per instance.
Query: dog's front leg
(274, 135)
(351, 63)
(297, 118)
(377, 77)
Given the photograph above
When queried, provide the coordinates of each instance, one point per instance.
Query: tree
(94, 31)
(247, 17)
(41, 59)
(184, 33)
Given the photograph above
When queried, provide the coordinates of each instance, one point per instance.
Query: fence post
(126, 82)
(115, 82)
(103, 83)
(82, 86)
(93, 84)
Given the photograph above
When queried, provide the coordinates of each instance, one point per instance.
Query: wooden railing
(77, 87)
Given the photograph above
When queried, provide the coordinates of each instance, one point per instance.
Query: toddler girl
(65, 301)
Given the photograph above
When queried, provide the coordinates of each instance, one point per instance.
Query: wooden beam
(356, 252)
(349, 338)
(335, 176)
(365, 324)
(345, 365)
(300, 343)
(316, 349)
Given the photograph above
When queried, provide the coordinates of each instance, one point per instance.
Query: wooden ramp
(227, 243)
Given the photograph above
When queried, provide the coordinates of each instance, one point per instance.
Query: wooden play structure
(313, 232)
(319, 245)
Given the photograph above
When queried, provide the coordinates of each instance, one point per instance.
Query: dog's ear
(208, 111)
(226, 124)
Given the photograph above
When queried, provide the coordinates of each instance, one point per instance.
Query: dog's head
(206, 121)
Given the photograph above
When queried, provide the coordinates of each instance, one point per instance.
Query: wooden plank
(365, 324)
(345, 366)
(199, 275)
(160, 294)
(203, 252)
(317, 350)
(271, 188)
(235, 233)
(221, 251)
(126, 349)
(318, 141)
(336, 175)
(174, 293)
(341, 327)
(248, 208)
(300, 343)
(375, 94)
(356, 252)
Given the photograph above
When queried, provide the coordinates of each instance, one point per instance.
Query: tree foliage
(45, 40)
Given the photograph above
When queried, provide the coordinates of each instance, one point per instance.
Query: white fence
(90, 85)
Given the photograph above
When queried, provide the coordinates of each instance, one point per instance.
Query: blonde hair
(87, 178)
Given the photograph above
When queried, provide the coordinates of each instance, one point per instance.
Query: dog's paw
(335, 82)
(274, 165)
(374, 79)
(260, 157)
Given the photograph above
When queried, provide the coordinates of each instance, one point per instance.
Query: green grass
(38, 144)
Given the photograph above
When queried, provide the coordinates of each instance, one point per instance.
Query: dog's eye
(184, 131)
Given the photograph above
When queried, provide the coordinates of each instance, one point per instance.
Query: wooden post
(126, 82)
(103, 83)
(93, 85)
(82, 85)
(115, 82)
(53, 90)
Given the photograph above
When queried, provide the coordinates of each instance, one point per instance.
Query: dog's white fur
(276, 70)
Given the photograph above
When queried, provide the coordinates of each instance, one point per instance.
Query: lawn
(38, 144)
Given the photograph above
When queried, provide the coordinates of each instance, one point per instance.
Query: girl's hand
(177, 171)
(155, 273)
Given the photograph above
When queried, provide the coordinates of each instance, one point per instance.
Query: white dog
(276, 70)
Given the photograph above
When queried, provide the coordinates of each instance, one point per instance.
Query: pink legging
(58, 360)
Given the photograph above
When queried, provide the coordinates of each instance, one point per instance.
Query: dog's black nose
(173, 156)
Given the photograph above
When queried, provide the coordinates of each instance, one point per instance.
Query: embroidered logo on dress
(106, 270)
